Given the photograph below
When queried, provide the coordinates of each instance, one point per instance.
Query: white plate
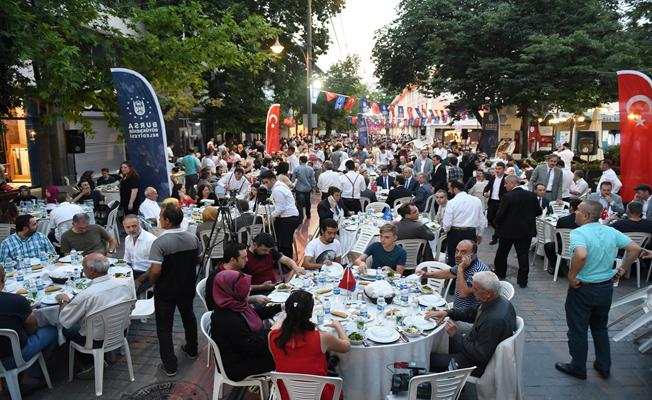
(278, 297)
(351, 228)
(420, 322)
(334, 270)
(432, 300)
(380, 334)
(50, 299)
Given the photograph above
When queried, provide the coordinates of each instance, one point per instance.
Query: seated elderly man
(26, 242)
(103, 291)
(467, 263)
(63, 213)
(138, 244)
(86, 238)
(494, 320)
(16, 314)
(149, 208)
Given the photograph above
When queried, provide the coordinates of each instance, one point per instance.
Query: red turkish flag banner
(409, 113)
(273, 129)
(375, 109)
(349, 103)
(330, 96)
(348, 281)
(635, 105)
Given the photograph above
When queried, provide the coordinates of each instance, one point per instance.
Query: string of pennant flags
(390, 115)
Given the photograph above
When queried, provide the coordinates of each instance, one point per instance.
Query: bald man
(150, 208)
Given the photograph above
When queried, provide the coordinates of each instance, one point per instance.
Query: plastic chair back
(114, 320)
(363, 240)
(216, 243)
(443, 385)
(506, 290)
(377, 206)
(205, 325)
(541, 231)
(201, 292)
(437, 284)
(564, 234)
(557, 208)
(430, 205)
(414, 249)
(440, 244)
(15, 348)
(5, 231)
(304, 386)
(363, 202)
(402, 200)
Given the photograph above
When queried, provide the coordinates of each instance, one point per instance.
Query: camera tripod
(223, 224)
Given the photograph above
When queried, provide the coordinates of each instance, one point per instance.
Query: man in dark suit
(516, 225)
(409, 227)
(540, 191)
(384, 181)
(494, 192)
(332, 206)
(439, 180)
(567, 222)
(398, 192)
(411, 182)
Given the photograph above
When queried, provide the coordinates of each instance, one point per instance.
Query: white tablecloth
(110, 196)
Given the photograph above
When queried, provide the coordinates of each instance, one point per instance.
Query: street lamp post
(309, 72)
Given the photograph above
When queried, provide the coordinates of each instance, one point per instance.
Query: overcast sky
(354, 29)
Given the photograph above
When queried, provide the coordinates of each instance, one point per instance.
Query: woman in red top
(298, 348)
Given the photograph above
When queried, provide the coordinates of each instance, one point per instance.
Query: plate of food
(120, 262)
(278, 297)
(420, 322)
(381, 334)
(334, 270)
(351, 228)
(356, 338)
(432, 225)
(283, 287)
(339, 315)
(432, 300)
(49, 299)
(412, 331)
(426, 289)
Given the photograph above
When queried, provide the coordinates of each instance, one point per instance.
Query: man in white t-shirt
(208, 162)
(149, 208)
(63, 213)
(566, 155)
(325, 249)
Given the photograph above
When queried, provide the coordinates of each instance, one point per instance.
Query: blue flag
(144, 130)
(383, 109)
(364, 106)
(339, 103)
(362, 131)
(400, 112)
(315, 95)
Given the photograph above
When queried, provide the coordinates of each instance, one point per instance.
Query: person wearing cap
(24, 195)
(643, 192)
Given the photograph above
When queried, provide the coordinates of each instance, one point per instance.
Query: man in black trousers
(515, 225)
(494, 192)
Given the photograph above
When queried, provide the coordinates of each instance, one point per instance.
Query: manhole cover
(169, 391)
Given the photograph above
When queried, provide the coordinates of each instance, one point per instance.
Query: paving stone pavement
(541, 304)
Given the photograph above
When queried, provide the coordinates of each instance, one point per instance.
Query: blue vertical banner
(144, 130)
(364, 106)
(363, 137)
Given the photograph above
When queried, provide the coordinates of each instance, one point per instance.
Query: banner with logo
(490, 132)
(635, 105)
(144, 130)
(273, 129)
(363, 138)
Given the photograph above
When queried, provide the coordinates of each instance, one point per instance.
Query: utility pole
(309, 72)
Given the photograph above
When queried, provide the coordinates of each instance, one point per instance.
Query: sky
(354, 29)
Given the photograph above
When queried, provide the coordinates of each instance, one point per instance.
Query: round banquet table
(364, 368)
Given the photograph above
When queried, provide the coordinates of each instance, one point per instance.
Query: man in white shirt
(103, 291)
(579, 187)
(325, 249)
(566, 155)
(609, 175)
(293, 160)
(235, 180)
(463, 219)
(566, 181)
(441, 151)
(352, 184)
(285, 213)
(170, 153)
(138, 244)
(384, 156)
(328, 178)
(149, 208)
(63, 213)
(208, 162)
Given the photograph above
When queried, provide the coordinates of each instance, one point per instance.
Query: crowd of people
(462, 190)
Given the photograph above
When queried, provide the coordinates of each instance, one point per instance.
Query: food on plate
(433, 308)
(426, 289)
(392, 312)
(357, 336)
(340, 314)
(412, 329)
(363, 283)
(51, 289)
(120, 275)
(22, 291)
(283, 287)
(391, 274)
(322, 291)
(121, 262)
(37, 267)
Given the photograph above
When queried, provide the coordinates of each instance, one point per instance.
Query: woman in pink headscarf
(237, 328)
(51, 193)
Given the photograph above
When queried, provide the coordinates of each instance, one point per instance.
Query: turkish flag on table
(635, 104)
(348, 281)
(273, 129)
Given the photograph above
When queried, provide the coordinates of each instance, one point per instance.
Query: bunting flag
(363, 137)
(339, 103)
(409, 113)
(401, 115)
(423, 109)
(315, 95)
(432, 115)
(363, 106)
(349, 103)
(383, 109)
(391, 110)
(330, 96)
(374, 108)
(418, 112)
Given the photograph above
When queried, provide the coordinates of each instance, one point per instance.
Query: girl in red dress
(297, 347)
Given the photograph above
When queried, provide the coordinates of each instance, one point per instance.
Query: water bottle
(9, 264)
(336, 291)
(40, 286)
(360, 322)
(387, 215)
(319, 313)
(70, 285)
(20, 277)
(379, 275)
(363, 309)
(73, 257)
(27, 263)
(380, 305)
(327, 305)
(44, 258)
(404, 292)
(33, 290)
(76, 275)
(322, 278)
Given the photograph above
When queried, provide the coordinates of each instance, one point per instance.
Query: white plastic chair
(377, 206)
(112, 224)
(62, 228)
(5, 231)
(557, 208)
(541, 241)
(11, 375)
(640, 239)
(143, 310)
(365, 237)
(438, 285)
(114, 320)
(428, 208)
(506, 290)
(216, 244)
(363, 202)
(564, 252)
(249, 233)
(439, 255)
(400, 201)
(639, 297)
(304, 386)
(638, 323)
(491, 386)
(220, 377)
(201, 293)
(444, 385)
(414, 249)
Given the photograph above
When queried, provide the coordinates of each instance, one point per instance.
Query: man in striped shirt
(466, 263)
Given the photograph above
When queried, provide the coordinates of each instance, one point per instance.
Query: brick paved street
(541, 305)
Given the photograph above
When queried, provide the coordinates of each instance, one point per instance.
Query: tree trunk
(51, 161)
(525, 125)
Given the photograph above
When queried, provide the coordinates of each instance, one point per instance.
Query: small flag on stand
(348, 281)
